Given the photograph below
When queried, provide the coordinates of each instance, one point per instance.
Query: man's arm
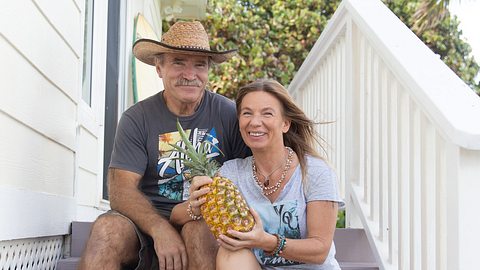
(126, 198)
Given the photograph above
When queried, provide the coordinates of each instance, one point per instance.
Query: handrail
(441, 92)
(405, 138)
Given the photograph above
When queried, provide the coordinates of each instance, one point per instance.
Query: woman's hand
(256, 238)
(198, 188)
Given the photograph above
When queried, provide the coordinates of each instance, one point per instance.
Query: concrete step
(70, 263)
(353, 250)
(80, 231)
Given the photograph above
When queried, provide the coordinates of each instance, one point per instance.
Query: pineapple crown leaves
(197, 162)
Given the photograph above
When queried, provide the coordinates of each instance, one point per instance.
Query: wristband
(191, 214)
(281, 244)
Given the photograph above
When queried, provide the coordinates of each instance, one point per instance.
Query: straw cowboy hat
(182, 37)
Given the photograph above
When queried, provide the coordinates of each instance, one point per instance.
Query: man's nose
(189, 73)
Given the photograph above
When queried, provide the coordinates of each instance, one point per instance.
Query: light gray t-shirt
(287, 215)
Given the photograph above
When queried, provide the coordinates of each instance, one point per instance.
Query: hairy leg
(201, 245)
(242, 259)
(113, 243)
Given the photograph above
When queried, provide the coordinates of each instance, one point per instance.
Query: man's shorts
(147, 258)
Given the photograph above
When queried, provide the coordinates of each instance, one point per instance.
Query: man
(146, 180)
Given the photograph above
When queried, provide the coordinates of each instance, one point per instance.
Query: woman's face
(261, 121)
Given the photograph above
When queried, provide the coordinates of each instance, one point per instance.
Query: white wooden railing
(405, 139)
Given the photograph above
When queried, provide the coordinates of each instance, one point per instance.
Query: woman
(291, 188)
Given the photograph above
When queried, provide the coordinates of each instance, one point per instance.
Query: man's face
(184, 77)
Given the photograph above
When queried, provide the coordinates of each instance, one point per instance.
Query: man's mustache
(184, 82)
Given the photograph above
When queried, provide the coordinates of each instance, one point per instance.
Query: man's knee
(201, 245)
(197, 230)
(113, 242)
(113, 230)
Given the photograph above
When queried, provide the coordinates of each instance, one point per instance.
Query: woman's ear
(286, 125)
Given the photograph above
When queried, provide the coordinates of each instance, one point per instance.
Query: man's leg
(201, 245)
(113, 243)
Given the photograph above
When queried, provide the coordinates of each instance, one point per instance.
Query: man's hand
(128, 200)
(170, 249)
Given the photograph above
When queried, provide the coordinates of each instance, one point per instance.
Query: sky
(468, 13)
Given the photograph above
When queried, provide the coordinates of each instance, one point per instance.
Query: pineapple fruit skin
(225, 208)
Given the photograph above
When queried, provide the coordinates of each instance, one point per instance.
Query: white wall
(51, 141)
(41, 48)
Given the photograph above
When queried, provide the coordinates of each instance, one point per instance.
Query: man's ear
(159, 70)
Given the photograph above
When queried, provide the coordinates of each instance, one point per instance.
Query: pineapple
(225, 208)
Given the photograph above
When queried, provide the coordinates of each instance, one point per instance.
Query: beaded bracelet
(191, 214)
(281, 245)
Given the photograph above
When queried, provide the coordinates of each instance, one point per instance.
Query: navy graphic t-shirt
(146, 130)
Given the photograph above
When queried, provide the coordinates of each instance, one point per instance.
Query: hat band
(192, 47)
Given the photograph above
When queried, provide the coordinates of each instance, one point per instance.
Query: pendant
(266, 183)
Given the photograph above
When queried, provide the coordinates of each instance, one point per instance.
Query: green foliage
(274, 38)
(341, 219)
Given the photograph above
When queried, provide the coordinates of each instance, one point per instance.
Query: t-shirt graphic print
(170, 168)
(280, 218)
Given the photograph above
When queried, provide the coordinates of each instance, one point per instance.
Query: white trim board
(29, 214)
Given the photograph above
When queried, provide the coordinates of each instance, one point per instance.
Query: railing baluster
(428, 195)
(368, 125)
(440, 204)
(415, 188)
(403, 184)
(374, 134)
(342, 126)
(393, 170)
(362, 114)
(383, 156)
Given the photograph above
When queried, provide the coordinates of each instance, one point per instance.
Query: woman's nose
(255, 120)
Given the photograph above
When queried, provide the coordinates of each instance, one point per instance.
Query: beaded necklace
(266, 182)
(266, 190)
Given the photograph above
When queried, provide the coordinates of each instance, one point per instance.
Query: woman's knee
(239, 259)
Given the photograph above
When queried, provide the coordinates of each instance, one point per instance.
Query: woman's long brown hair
(302, 136)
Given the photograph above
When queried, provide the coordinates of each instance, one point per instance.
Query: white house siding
(51, 141)
(41, 48)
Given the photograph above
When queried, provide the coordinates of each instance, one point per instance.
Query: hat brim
(145, 50)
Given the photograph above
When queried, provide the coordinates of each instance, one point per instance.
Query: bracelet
(191, 214)
(281, 245)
